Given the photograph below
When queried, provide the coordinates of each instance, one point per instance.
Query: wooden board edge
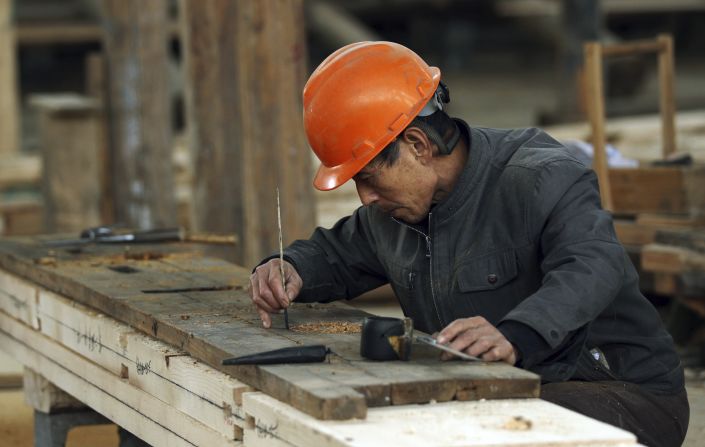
(90, 383)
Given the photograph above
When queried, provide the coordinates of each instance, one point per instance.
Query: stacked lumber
(150, 388)
(200, 305)
(168, 398)
(676, 259)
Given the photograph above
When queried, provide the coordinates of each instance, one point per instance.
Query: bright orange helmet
(358, 100)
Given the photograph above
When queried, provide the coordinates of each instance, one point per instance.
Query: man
(494, 239)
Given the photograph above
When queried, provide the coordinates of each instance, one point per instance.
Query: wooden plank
(163, 371)
(21, 216)
(630, 232)
(634, 47)
(44, 396)
(97, 88)
(213, 325)
(19, 170)
(135, 45)
(69, 141)
(9, 92)
(656, 221)
(66, 33)
(669, 259)
(18, 298)
(649, 190)
(140, 413)
(693, 181)
(168, 374)
(246, 66)
(690, 239)
(525, 422)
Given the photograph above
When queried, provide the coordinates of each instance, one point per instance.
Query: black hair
(438, 121)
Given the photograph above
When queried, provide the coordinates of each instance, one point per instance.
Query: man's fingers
(274, 281)
(269, 302)
(458, 327)
(265, 317)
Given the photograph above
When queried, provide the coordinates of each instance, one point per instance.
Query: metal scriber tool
(428, 340)
(281, 258)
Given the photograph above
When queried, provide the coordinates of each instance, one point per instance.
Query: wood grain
(69, 140)
(211, 326)
(246, 65)
(135, 45)
(9, 91)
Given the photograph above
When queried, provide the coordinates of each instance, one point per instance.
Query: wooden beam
(9, 106)
(658, 190)
(212, 325)
(68, 135)
(643, 46)
(44, 396)
(163, 371)
(20, 170)
(666, 94)
(138, 412)
(135, 44)
(632, 233)
(245, 72)
(66, 33)
(525, 422)
(668, 259)
(595, 102)
(97, 88)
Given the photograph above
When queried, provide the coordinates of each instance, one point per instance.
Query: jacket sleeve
(582, 264)
(337, 263)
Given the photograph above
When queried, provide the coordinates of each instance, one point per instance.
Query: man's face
(404, 190)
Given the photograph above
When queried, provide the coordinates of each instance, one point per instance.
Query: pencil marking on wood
(143, 368)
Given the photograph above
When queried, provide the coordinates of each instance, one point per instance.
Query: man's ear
(419, 143)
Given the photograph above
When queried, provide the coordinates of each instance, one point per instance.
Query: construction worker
(493, 239)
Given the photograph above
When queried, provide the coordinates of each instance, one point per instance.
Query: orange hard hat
(358, 100)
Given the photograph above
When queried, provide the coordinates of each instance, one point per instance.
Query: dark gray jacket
(523, 241)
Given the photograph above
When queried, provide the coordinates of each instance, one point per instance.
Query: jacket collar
(470, 175)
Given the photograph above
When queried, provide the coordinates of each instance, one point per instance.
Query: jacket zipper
(427, 238)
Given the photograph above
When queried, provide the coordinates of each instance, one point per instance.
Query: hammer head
(386, 338)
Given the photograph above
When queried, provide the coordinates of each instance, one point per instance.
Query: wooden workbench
(138, 333)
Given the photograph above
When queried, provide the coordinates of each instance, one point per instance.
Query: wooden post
(135, 43)
(595, 102)
(246, 69)
(44, 396)
(9, 110)
(68, 128)
(666, 96)
(97, 88)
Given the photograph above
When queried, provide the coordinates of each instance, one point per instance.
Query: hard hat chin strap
(444, 148)
(440, 97)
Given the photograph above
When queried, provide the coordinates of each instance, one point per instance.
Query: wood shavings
(518, 423)
(46, 260)
(328, 327)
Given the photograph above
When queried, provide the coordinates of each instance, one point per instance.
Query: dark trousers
(657, 420)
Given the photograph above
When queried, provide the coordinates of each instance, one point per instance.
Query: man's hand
(477, 337)
(267, 292)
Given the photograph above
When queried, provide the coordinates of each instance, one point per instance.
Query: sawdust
(518, 423)
(143, 256)
(328, 327)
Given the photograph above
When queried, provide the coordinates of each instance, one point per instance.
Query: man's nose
(367, 195)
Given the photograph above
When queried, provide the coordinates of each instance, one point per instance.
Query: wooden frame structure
(595, 52)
